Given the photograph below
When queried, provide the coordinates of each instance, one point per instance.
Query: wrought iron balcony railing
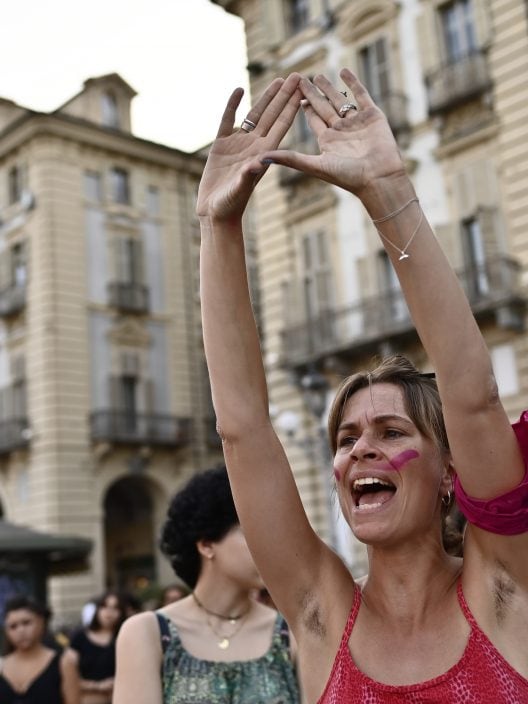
(129, 428)
(492, 289)
(457, 82)
(12, 300)
(129, 296)
(14, 434)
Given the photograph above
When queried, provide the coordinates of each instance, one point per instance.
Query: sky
(183, 57)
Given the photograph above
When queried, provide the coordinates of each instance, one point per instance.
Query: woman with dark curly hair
(217, 645)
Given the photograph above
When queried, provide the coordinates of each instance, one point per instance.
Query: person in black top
(93, 649)
(31, 672)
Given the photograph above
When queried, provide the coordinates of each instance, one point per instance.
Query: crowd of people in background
(66, 666)
(214, 633)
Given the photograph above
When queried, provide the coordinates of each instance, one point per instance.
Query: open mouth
(371, 492)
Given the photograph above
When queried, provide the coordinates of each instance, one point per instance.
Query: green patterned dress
(269, 679)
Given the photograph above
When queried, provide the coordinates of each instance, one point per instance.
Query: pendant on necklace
(403, 256)
(223, 644)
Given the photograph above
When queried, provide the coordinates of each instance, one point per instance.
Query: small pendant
(232, 621)
(403, 256)
(223, 644)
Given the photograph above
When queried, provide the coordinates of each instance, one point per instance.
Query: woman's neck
(409, 576)
(224, 601)
(30, 653)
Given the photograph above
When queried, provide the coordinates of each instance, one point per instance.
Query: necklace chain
(223, 617)
(224, 641)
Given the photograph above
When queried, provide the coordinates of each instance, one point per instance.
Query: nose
(364, 449)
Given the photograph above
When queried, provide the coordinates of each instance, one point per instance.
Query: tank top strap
(464, 606)
(281, 632)
(351, 619)
(165, 635)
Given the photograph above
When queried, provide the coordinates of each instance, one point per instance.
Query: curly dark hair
(203, 510)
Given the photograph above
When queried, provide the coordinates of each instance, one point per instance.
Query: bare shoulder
(143, 625)
(138, 661)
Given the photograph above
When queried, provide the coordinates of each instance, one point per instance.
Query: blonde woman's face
(389, 477)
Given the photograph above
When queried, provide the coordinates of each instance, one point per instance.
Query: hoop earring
(446, 499)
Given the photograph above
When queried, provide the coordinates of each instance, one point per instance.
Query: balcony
(129, 428)
(457, 82)
(12, 300)
(129, 297)
(362, 328)
(14, 435)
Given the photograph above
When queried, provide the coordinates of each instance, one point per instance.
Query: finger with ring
(247, 125)
(346, 108)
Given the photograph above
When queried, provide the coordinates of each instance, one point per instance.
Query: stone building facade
(104, 402)
(451, 78)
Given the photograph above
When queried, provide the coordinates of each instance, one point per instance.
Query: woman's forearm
(230, 335)
(438, 305)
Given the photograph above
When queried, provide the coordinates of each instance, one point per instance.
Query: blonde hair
(420, 394)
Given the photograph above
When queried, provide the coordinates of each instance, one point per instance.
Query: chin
(373, 533)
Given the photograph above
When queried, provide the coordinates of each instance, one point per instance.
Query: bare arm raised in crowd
(359, 154)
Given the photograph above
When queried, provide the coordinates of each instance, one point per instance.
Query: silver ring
(247, 125)
(346, 107)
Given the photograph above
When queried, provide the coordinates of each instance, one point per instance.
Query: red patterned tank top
(481, 676)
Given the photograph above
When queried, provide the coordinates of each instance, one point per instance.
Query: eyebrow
(378, 420)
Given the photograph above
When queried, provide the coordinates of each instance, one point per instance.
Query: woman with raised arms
(424, 626)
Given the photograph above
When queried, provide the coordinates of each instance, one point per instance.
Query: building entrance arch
(130, 534)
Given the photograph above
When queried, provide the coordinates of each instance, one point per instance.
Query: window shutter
(148, 396)
(427, 39)
(121, 260)
(137, 264)
(18, 368)
(274, 17)
(5, 269)
(488, 221)
(130, 364)
(116, 393)
(482, 22)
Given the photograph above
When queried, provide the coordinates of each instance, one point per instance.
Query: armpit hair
(311, 613)
(503, 590)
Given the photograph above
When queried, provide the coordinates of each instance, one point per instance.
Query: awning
(63, 553)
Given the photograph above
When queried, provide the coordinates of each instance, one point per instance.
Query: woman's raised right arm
(288, 553)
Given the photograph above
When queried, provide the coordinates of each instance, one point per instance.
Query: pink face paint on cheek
(401, 460)
(337, 475)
